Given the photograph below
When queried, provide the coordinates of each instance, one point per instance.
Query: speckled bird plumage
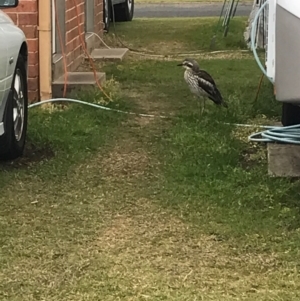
(201, 83)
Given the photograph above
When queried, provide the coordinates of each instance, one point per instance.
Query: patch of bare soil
(124, 164)
(256, 153)
(152, 252)
(214, 55)
(149, 103)
(33, 153)
(253, 156)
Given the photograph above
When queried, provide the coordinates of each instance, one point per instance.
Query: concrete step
(113, 54)
(76, 82)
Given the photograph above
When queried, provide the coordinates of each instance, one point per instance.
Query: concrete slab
(113, 54)
(284, 160)
(76, 82)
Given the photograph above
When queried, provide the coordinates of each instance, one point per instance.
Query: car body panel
(13, 38)
(3, 75)
(4, 18)
(3, 64)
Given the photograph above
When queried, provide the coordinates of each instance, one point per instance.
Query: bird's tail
(218, 99)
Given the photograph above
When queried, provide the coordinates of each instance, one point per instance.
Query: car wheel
(124, 11)
(15, 118)
(106, 14)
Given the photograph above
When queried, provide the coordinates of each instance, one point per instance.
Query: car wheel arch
(24, 52)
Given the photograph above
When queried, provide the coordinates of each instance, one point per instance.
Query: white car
(13, 85)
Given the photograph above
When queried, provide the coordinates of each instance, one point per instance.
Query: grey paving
(76, 81)
(171, 10)
(284, 160)
(113, 54)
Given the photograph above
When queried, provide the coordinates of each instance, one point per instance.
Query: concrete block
(284, 160)
(76, 82)
(113, 54)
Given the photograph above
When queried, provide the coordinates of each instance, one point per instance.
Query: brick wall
(98, 28)
(73, 47)
(26, 17)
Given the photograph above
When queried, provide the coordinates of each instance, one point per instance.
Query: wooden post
(45, 47)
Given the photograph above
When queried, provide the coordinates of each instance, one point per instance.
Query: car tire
(16, 114)
(106, 14)
(124, 11)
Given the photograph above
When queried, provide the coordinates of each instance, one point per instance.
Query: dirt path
(147, 252)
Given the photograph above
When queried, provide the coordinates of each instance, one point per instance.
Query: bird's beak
(180, 64)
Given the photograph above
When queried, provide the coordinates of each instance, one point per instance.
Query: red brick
(14, 17)
(33, 45)
(24, 6)
(71, 14)
(77, 52)
(33, 70)
(30, 31)
(72, 34)
(28, 18)
(33, 58)
(71, 24)
(68, 47)
(72, 45)
(27, 6)
(33, 96)
(33, 83)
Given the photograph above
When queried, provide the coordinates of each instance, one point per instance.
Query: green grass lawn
(178, 35)
(109, 206)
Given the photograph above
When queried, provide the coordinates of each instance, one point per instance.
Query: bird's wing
(207, 83)
(206, 77)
